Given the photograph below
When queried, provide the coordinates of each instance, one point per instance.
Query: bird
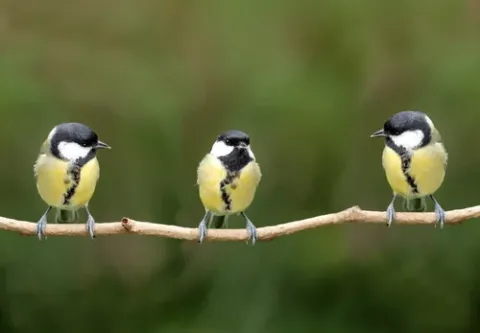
(414, 160)
(227, 179)
(66, 173)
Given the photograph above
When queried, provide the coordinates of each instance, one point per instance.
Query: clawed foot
(439, 213)
(251, 230)
(202, 231)
(391, 212)
(90, 226)
(42, 227)
(202, 227)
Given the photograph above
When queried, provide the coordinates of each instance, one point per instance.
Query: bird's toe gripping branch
(251, 229)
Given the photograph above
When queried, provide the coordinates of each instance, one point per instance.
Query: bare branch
(129, 226)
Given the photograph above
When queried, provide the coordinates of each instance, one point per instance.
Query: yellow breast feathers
(223, 192)
(428, 166)
(426, 170)
(62, 187)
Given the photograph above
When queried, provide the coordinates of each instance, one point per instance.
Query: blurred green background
(309, 81)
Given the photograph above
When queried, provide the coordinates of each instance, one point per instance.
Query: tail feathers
(415, 205)
(219, 222)
(66, 216)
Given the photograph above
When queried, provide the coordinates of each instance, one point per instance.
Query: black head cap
(234, 138)
(77, 133)
(407, 121)
(74, 132)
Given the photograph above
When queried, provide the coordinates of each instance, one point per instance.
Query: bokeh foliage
(309, 81)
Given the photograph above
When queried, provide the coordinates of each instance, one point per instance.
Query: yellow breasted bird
(227, 179)
(414, 160)
(66, 173)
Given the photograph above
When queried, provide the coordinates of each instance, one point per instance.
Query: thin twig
(129, 226)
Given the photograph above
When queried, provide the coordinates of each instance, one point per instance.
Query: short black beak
(243, 145)
(380, 132)
(102, 145)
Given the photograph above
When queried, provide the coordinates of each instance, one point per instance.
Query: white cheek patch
(250, 152)
(72, 151)
(219, 149)
(408, 139)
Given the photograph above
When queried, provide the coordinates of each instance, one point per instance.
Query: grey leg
(439, 212)
(391, 211)
(202, 227)
(90, 224)
(42, 224)
(252, 231)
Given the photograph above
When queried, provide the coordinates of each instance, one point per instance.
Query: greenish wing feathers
(44, 148)
(66, 216)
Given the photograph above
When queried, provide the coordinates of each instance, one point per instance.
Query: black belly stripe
(406, 163)
(234, 163)
(74, 174)
(231, 176)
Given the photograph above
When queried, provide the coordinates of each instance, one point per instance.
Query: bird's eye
(227, 141)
